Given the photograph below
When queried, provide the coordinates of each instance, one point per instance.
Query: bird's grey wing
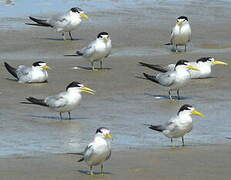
(24, 73)
(58, 20)
(89, 50)
(109, 155)
(170, 67)
(88, 152)
(166, 79)
(170, 125)
(56, 101)
(109, 52)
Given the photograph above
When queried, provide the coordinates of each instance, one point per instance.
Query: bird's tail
(79, 53)
(154, 67)
(81, 154)
(11, 69)
(40, 102)
(168, 44)
(80, 160)
(39, 22)
(159, 128)
(151, 78)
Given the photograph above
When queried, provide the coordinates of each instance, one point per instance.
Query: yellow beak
(106, 38)
(193, 68)
(219, 63)
(88, 90)
(108, 136)
(46, 67)
(179, 23)
(84, 16)
(197, 113)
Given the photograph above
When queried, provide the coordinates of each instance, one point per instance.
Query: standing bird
(64, 101)
(181, 33)
(97, 50)
(179, 125)
(174, 79)
(204, 64)
(35, 74)
(99, 150)
(62, 23)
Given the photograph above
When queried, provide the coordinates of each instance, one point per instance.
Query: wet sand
(205, 162)
(123, 100)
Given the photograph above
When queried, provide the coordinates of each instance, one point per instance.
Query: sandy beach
(35, 143)
(204, 162)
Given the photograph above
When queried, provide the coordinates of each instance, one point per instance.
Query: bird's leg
(178, 94)
(173, 144)
(169, 93)
(102, 170)
(91, 171)
(101, 64)
(182, 140)
(92, 66)
(63, 35)
(176, 48)
(70, 35)
(185, 48)
(60, 114)
(69, 115)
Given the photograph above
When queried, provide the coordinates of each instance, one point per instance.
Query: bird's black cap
(183, 17)
(76, 9)
(184, 107)
(99, 130)
(181, 62)
(204, 59)
(37, 63)
(74, 84)
(102, 34)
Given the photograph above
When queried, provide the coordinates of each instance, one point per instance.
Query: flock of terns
(172, 76)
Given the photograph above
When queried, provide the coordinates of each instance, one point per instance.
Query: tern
(62, 23)
(64, 101)
(35, 74)
(98, 151)
(181, 33)
(174, 79)
(204, 64)
(97, 50)
(179, 125)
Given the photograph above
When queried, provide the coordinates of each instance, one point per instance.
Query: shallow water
(124, 102)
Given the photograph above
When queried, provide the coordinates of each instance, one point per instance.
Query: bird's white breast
(181, 34)
(101, 151)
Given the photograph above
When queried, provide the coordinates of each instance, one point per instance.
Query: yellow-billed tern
(64, 101)
(181, 33)
(35, 74)
(97, 50)
(174, 79)
(66, 22)
(178, 125)
(204, 64)
(99, 150)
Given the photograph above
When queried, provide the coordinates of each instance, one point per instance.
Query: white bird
(99, 150)
(62, 23)
(178, 125)
(174, 79)
(64, 101)
(97, 50)
(181, 33)
(35, 74)
(204, 64)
